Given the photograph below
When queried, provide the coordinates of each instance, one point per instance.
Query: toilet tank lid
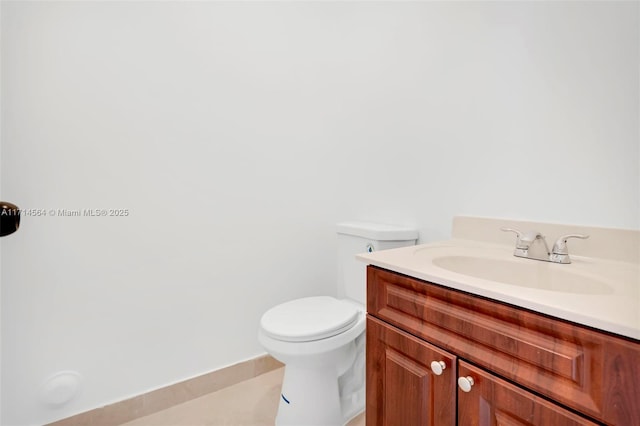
(377, 231)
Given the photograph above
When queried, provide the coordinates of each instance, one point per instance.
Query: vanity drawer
(593, 372)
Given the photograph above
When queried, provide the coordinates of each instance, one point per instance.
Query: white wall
(238, 134)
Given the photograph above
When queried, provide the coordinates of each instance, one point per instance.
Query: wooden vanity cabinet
(527, 368)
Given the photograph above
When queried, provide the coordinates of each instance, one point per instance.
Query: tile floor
(253, 402)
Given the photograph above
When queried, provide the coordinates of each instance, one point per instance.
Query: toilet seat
(309, 319)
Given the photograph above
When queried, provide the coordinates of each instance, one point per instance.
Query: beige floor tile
(357, 421)
(253, 402)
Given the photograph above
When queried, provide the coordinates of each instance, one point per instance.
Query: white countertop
(602, 293)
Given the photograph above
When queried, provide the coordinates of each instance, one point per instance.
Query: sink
(524, 273)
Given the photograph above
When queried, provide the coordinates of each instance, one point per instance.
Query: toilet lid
(308, 319)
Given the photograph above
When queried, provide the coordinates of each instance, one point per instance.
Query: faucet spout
(537, 247)
(530, 245)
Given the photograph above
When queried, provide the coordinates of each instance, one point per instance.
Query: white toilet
(321, 339)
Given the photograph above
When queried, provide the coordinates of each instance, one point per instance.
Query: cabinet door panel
(495, 402)
(401, 388)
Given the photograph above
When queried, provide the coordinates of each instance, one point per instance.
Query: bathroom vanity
(446, 348)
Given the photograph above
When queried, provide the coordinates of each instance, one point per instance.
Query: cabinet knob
(438, 367)
(465, 383)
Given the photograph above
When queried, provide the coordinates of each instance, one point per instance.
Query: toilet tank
(362, 237)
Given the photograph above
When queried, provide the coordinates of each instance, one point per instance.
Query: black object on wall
(9, 218)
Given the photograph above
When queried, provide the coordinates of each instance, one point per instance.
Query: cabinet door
(495, 402)
(402, 389)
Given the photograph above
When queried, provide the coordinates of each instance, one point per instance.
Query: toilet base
(327, 393)
(309, 397)
(324, 379)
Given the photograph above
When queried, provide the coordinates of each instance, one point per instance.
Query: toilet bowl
(321, 339)
(323, 384)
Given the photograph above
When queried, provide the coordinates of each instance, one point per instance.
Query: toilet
(321, 339)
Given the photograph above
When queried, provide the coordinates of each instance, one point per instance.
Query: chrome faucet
(533, 245)
(530, 245)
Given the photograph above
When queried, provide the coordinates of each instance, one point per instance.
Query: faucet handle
(560, 246)
(520, 237)
(518, 233)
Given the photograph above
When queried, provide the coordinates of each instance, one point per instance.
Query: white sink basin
(600, 288)
(523, 273)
